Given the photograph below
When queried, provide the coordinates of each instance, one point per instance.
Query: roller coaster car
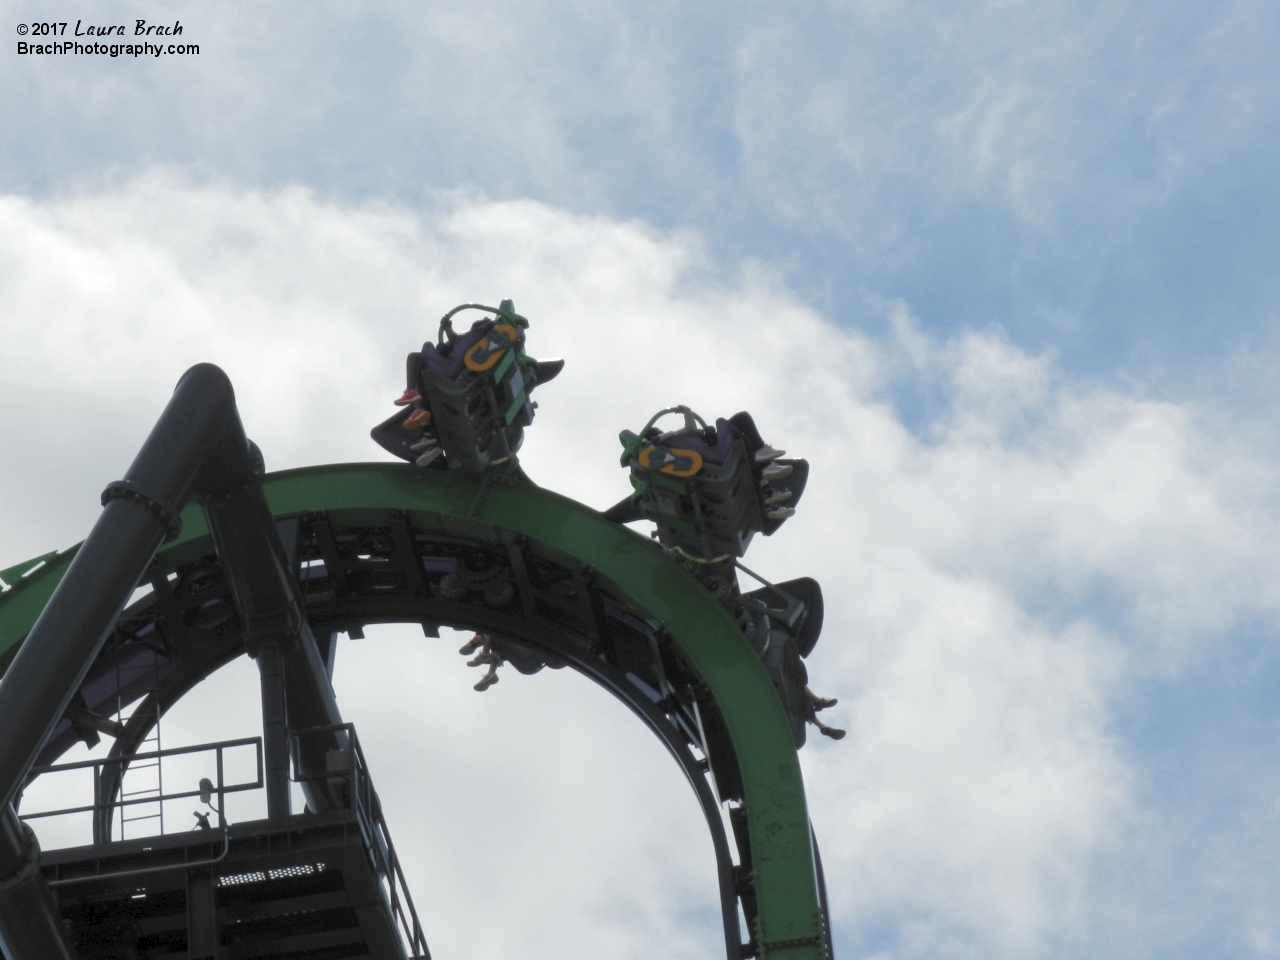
(467, 398)
(782, 622)
(795, 606)
(708, 489)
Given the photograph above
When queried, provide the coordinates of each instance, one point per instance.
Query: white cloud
(994, 585)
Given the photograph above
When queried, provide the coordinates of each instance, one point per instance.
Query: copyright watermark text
(60, 38)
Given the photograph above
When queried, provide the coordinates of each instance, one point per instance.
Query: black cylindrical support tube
(62, 645)
(139, 512)
(275, 742)
(198, 444)
(54, 658)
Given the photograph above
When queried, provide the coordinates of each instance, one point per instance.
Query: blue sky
(1005, 272)
(1089, 176)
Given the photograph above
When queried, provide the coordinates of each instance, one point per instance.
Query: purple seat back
(447, 361)
(726, 434)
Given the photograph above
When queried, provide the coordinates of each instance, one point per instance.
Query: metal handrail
(169, 752)
(373, 826)
(220, 789)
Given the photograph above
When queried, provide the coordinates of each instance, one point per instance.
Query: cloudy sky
(1005, 273)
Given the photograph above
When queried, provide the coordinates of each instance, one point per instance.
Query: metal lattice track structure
(370, 543)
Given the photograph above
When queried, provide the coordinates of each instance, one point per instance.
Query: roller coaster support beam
(138, 513)
(296, 692)
(197, 446)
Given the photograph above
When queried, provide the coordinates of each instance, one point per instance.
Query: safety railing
(206, 789)
(346, 778)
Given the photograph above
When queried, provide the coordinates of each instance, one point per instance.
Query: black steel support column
(310, 702)
(195, 428)
(202, 927)
(275, 731)
(197, 446)
(296, 693)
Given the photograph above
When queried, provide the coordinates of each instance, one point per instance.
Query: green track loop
(790, 923)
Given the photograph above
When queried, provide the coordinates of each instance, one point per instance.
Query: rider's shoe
(417, 419)
(406, 398)
(821, 703)
(423, 444)
(833, 732)
(778, 497)
(767, 453)
(781, 513)
(472, 645)
(489, 679)
(429, 457)
(776, 471)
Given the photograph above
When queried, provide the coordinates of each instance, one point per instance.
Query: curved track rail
(371, 543)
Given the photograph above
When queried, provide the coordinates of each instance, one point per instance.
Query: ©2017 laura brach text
(140, 29)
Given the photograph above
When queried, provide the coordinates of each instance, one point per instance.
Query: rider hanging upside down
(493, 652)
(487, 656)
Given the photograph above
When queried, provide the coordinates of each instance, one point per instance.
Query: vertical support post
(202, 927)
(296, 693)
(275, 734)
(99, 814)
(222, 803)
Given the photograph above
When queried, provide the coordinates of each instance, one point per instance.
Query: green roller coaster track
(790, 922)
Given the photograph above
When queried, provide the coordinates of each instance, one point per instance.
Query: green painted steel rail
(790, 919)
